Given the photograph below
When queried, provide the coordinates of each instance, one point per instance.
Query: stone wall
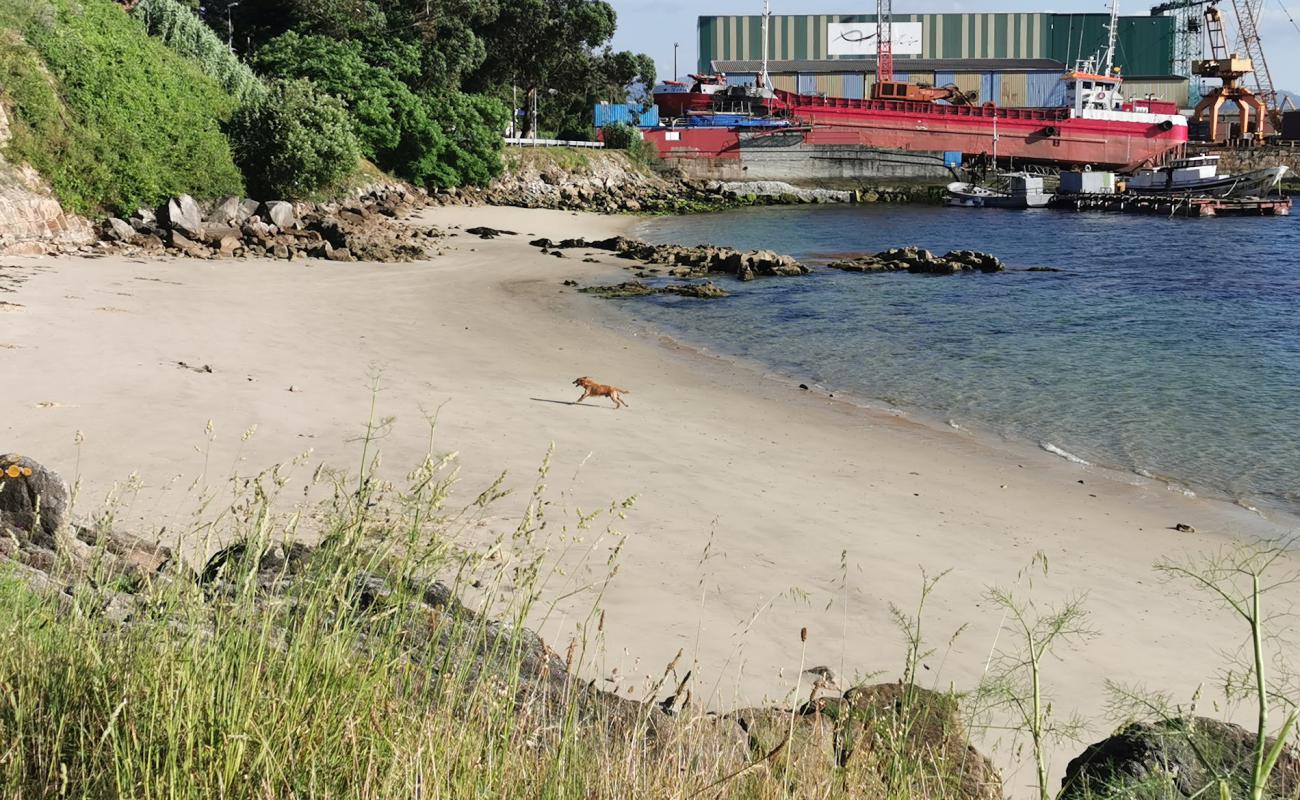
(30, 216)
(822, 165)
(1236, 160)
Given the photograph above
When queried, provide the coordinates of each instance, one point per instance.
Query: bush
(294, 141)
(619, 136)
(185, 33)
(112, 118)
(471, 130)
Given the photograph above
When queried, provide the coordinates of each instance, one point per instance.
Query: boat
(1096, 125)
(1198, 176)
(1016, 190)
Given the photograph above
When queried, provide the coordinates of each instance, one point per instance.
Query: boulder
(182, 214)
(33, 501)
(1174, 759)
(278, 213)
(227, 211)
(178, 241)
(118, 230)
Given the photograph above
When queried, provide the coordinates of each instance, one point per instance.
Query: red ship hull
(1109, 140)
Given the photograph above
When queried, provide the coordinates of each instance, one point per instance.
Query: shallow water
(1168, 347)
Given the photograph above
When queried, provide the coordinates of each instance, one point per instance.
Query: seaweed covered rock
(1175, 758)
(921, 261)
(690, 261)
(707, 290)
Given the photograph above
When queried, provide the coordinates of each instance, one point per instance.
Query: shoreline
(749, 489)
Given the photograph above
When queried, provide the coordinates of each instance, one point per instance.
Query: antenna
(767, 13)
(884, 41)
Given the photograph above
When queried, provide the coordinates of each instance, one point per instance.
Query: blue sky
(651, 26)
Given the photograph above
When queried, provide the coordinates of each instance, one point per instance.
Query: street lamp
(230, 25)
(674, 60)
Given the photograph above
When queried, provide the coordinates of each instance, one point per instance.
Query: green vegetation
(294, 140)
(182, 30)
(125, 108)
(112, 118)
(621, 136)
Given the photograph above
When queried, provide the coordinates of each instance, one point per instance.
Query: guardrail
(551, 143)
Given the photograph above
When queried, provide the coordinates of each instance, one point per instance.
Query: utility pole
(230, 26)
(674, 60)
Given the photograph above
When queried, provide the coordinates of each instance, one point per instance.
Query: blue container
(952, 158)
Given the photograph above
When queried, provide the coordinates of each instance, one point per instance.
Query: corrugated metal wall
(786, 83)
(1044, 89)
(919, 78)
(1145, 44)
(853, 86)
(990, 87)
(1015, 90)
(807, 84)
(1175, 91)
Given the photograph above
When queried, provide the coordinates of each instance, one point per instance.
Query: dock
(1167, 206)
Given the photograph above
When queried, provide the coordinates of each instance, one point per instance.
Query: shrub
(294, 141)
(471, 127)
(112, 118)
(619, 135)
(185, 33)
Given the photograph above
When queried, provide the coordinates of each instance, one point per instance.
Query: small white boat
(1014, 190)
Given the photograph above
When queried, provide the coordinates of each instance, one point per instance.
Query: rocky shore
(372, 225)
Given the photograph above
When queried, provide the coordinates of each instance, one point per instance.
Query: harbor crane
(1230, 68)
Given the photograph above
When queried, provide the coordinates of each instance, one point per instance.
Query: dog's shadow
(571, 403)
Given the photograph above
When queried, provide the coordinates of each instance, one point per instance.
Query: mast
(1108, 60)
(767, 14)
(884, 41)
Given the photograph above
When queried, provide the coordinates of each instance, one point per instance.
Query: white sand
(782, 480)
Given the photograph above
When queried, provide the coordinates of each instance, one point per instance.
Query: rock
(182, 214)
(178, 241)
(278, 213)
(281, 251)
(703, 291)
(484, 232)
(1161, 759)
(214, 233)
(118, 230)
(33, 500)
(248, 209)
(920, 261)
(228, 211)
(1183, 527)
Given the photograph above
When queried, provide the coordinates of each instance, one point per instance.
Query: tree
(295, 141)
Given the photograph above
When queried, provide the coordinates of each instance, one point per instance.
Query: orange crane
(1230, 68)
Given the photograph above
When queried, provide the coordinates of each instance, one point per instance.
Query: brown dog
(592, 389)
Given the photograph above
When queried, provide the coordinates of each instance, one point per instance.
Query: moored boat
(1016, 190)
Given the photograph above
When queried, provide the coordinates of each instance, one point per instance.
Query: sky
(651, 26)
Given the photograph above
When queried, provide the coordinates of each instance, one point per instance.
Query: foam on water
(1169, 348)
(1054, 450)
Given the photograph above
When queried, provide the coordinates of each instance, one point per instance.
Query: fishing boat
(1017, 190)
(1198, 176)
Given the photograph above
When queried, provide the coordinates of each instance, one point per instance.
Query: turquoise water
(1170, 348)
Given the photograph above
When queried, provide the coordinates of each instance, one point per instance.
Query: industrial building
(1011, 59)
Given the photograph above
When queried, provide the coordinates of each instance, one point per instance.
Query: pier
(1165, 205)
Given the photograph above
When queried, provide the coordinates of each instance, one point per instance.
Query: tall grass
(347, 670)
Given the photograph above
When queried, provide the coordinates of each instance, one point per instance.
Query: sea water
(1165, 347)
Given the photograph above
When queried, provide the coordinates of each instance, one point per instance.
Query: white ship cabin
(1088, 91)
(1179, 172)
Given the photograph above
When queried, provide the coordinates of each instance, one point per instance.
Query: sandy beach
(748, 489)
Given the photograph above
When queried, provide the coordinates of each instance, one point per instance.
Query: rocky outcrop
(918, 260)
(707, 290)
(33, 500)
(32, 221)
(1176, 758)
(365, 227)
(689, 262)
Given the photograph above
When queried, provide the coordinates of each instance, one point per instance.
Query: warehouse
(1011, 59)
